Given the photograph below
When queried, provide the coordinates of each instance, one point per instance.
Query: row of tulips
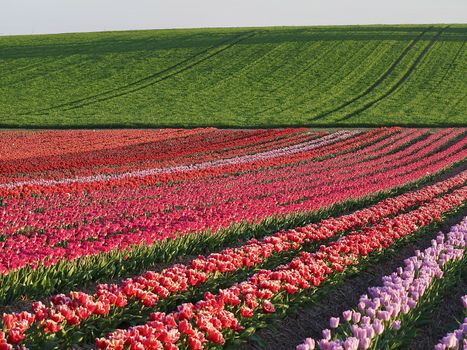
(456, 340)
(203, 173)
(18, 143)
(235, 166)
(23, 161)
(65, 275)
(215, 163)
(210, 320)
(101, 221)
(390, 306)
(151, 286)
(215, 317)
(174, 148)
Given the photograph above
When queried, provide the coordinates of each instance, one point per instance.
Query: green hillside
(340, 76)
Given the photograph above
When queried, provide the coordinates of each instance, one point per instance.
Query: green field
(245, 77)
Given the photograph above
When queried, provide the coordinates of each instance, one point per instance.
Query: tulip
(347, 315)
(378, 327)
(268, 307)
(454, 339)
(356, 316)
(364, 343)
(327, 334)
(334, 322)
(396, 325)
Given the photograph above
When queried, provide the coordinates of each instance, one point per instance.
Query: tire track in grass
(452, 64)
(449, 69)
(241, 71)
(43, 74)
(147, 81)
(295, 77)
(400, 82)
(288, 106)
(379, 81)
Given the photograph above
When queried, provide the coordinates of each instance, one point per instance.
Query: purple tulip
(378, 327)
(361, 306)
(302, 347)
(334, 322)
(364, 343)
(326, 334)
(310, 342)
(356, 317)
(412, 303)
(370, 332)
(351, 343)
(347, 315)
(383, 315)
(371, 312)
(453, 340)
(365, 320)
(324, 344)
(361, 333)
(354, 328)
(450, 341)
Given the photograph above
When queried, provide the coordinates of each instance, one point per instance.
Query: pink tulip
(396, 325)
(334, 322)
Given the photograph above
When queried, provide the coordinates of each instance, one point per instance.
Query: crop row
(95, 222)
(138, 150)
(73, 183)
(191, 164)
(319, 206)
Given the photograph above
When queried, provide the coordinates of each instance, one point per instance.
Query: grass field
(246, 77)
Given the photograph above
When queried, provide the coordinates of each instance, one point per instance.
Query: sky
(61, 16)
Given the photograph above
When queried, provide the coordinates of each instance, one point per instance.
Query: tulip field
(213, 238)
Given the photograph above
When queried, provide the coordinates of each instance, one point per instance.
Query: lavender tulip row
(458, 338)
(384, 307)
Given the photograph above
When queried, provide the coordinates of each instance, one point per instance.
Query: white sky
(58, 16)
